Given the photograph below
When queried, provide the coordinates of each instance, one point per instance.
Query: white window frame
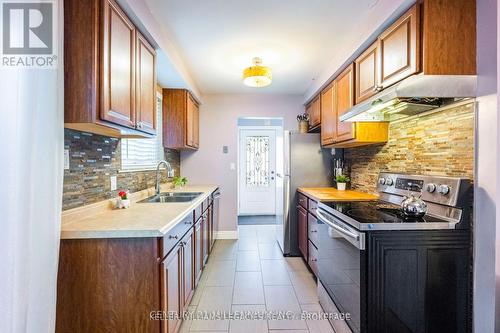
(132, 144)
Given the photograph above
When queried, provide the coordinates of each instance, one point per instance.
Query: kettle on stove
(413, 205)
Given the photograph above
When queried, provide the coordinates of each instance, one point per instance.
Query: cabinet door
(399, 47)
(328, 118)
(196, 125)
(188, 266)
(190, 114)
(316, 111)
(198, 251)
(146, 85)
(118, 67)
(367, 74)
(171, 288)
(309, 111)
(205, 237)
(211, 234)
(343, 101)
(302, 213)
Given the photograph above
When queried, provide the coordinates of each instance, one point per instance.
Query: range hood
(416, 94)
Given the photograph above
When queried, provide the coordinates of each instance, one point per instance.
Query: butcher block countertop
(100, 220)
(332, 194)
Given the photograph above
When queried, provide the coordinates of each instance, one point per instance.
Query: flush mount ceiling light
(257, 76)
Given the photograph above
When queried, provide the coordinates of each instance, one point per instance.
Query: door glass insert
(257, 168)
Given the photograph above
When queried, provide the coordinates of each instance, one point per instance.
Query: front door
(257, 167)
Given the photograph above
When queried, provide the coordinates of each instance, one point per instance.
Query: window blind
(144, 153)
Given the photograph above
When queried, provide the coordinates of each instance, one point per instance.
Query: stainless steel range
(348, 231)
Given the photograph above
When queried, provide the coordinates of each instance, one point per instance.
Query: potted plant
(123, 200)
(342, 180)
(179, 182)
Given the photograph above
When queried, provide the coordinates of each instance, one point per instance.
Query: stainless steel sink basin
(166, 197)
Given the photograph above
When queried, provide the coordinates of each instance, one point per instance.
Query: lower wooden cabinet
(171, 289)
(205, 229)
(302, 232)
(312, 258)
(198, 251)
(188, 266)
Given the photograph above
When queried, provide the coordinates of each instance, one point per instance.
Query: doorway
(258, 164)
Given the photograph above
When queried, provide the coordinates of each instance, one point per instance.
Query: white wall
(218, 127)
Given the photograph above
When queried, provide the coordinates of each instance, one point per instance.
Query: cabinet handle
(378, 88)
(314, 230)
(314, 260)
(173, 237)
(188, 222)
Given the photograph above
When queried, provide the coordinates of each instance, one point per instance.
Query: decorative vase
(123, 203)
(303, 126)
(341, 186)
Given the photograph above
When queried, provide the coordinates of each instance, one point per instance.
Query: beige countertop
(100, 220)
(332, 194)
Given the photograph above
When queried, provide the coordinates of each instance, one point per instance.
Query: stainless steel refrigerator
(305, 164)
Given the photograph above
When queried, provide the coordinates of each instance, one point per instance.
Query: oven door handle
(336, 227)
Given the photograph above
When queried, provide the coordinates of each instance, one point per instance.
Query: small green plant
(180, 181)
(342, 179)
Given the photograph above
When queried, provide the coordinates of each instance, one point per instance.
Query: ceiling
(217, 39)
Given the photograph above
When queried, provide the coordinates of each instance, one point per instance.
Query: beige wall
(218, 127)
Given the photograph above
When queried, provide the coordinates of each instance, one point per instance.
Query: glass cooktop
(377, 212)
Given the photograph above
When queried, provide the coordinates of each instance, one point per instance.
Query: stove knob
(389, 181)
(443, 189)
(431, 187)
(381, 181)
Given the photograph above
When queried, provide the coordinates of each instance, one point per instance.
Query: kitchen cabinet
(134, 277)
(336, 99)
(205, 230)
(211, 228)
(180, 119)
(146, 85)
(302, 230)
(313, 109)
(366, 68)
(109, 72)
(399, 49)
(172, 288)
(312, 259)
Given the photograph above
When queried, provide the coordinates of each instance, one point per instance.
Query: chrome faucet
(169, 172)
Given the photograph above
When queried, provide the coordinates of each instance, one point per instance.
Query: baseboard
(233, 234)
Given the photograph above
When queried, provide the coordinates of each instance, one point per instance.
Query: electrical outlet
(66, 159)
(113, 183)
(225, 149)
(171, 173)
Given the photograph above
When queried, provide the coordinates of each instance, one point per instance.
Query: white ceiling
(297, 38)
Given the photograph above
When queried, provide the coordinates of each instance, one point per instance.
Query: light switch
(225, 149)
(232, 166)
(66, 159)
(113, 183)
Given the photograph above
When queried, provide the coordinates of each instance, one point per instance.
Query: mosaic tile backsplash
(440, 143)
(93, 159)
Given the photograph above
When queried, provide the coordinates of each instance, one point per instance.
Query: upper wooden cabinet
(336, 99)
(180, 119)
(399, 49)
(109, 71)
(313, 109)
(433, 37)
(343, 101)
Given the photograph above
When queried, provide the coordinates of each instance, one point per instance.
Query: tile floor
(251, 274)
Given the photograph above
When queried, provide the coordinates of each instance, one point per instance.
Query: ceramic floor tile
(266, 234)
(295, 264)
(314, 321)
(224, 250)
(248, 325)
(214, 300)
(247, 244)
(248, 288)
(186, 324)
(270, 251)
(305, 287)
(290, 331)
(221, 273)
(248, 261)
(247, 232)
(274, 272)
(283, 299)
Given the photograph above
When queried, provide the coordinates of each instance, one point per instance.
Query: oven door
(340, 248)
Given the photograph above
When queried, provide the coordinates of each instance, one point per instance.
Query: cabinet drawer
(313, 205)
(312, 260)
(312, 228)
(302, 200)
(175, 234)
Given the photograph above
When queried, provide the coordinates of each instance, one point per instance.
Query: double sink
(166, 197)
